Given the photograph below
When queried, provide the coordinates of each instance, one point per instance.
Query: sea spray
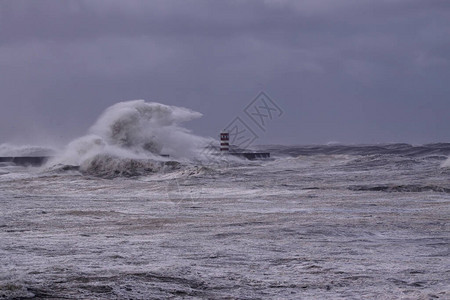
(129, 138)
(149, 127)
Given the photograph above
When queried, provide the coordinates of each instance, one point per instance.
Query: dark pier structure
(225, 148)
(25, 160)
(251, 155)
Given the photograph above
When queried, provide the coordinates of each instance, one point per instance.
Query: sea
(104, 219)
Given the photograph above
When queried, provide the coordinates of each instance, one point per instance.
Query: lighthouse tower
(224, 141)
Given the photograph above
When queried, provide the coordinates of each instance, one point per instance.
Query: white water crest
(136, 130)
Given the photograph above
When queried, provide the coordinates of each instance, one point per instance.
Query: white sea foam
(197, 230)
(137, 130)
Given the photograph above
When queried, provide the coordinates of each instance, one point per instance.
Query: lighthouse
(224, 141)
(225, 149)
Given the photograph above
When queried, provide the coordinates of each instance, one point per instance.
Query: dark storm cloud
(352, 71)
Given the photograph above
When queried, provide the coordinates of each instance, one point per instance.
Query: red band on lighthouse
(224, 141)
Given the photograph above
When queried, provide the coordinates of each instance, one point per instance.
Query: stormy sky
(349, 71)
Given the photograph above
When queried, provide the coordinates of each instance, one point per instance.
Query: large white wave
(136, 130)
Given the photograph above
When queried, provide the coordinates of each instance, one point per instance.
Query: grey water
(315, 222)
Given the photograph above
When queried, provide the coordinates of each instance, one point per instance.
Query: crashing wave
(129, 138)
(148, 127)
(107, 166)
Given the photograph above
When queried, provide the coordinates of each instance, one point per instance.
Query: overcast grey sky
(352, 71)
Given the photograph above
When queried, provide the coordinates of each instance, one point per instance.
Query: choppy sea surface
(313, 222)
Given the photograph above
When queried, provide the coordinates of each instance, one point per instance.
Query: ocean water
(314, 222)
(108, 217)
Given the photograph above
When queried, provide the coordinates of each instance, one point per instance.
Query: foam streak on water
(305, 225)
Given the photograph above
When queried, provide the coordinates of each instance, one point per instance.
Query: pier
(225, 148)
(25, 160)
(251, 155)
